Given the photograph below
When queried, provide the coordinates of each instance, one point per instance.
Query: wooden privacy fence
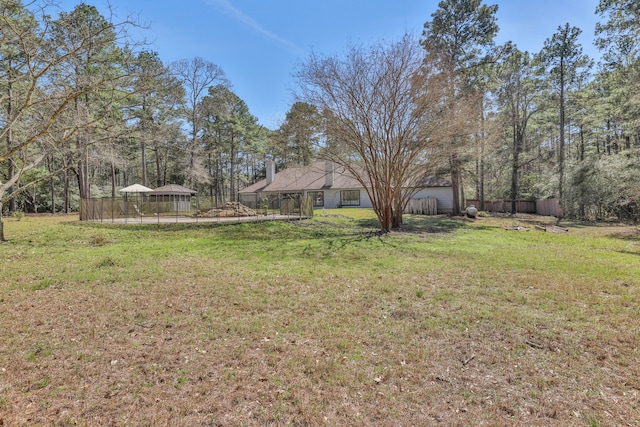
(522, 206)
(426, 206)
(549, 207)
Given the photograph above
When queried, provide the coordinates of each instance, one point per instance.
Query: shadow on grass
(632, 235)
(237, 229)
(415, 224)
(336, 231)
(629, 253)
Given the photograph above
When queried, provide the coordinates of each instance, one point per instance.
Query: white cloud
(231, 10)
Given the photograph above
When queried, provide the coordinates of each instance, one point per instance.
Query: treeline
(85, 110)
(552, 123)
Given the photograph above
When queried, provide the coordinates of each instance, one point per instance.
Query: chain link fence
(143, 207)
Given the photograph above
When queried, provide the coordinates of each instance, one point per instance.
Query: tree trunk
(81, 171)
(210, 173)
(582, 144)
(385, 219)
(2, 239)
(455, 182)
(482, 147)
(219, 189)
(52, 186)
(192, 154)
(11, 167)
(518, 140)
(232, 166)
(561, 154)
(218, 182)
(66, 191)
(80, 150)
(81, 176)
(143, 141)
(156, 151)
(113, 181)
(397, 219)
(514, 184)
(53, 196)
(34, 200)
(143, 155)
(608, 147)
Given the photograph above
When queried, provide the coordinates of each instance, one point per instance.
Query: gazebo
(133, 206)
(171, 198)
(141, 202)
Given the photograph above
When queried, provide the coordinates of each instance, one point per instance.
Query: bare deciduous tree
(38, 103)
(386, 112)
(196, 76)
(157, 95)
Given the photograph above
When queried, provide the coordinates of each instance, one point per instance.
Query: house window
(318, 198)
(350, 198)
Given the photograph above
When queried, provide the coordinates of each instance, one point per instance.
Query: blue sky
(259, 42)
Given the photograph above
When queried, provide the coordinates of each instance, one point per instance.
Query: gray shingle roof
(173, 189)
(313, 177)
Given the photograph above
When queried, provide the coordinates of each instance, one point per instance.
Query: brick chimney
(271, 171)
(329, 173)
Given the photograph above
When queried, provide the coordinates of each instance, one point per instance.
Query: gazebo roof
(135, 188)
(173, 189)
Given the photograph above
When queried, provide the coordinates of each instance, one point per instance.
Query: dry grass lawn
(319, 322)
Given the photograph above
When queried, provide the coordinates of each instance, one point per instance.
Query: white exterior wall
(444, 195)
(365, 201)
(331, 198)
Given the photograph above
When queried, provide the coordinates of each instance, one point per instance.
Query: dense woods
(85, 110)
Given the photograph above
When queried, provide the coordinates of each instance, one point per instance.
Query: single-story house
(332, 186)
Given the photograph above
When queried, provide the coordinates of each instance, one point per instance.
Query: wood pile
(515, 228)
(552, 228)
(230, 209)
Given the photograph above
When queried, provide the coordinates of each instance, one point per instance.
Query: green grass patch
(323, 322)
